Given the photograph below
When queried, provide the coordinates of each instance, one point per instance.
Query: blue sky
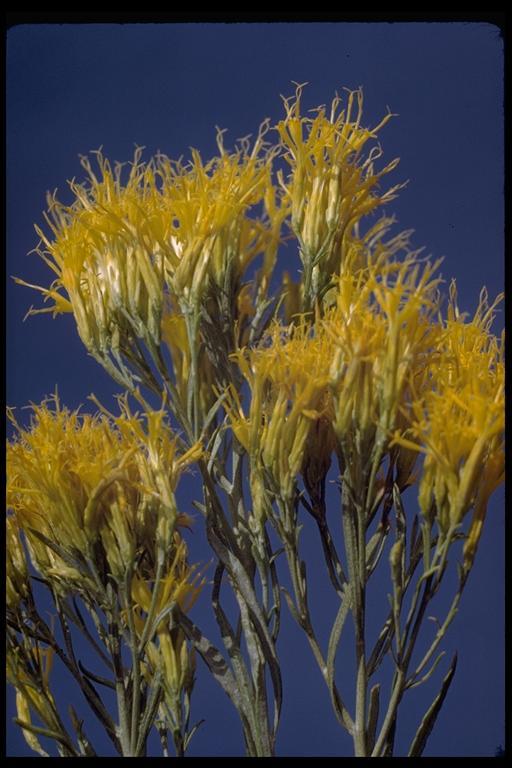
(74, 88)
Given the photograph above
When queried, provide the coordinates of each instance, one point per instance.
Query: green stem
(303, 617)
(399, 680)
(146, 632)
(122, 710)
(192, 324)
(136, 678)
(354, 527)
(396, 695)
(440, 634)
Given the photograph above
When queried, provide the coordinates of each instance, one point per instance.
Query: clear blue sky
(73, 88)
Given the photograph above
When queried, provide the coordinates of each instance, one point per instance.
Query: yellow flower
(338, 382)
(182, 585)
(382, 332)
(80, 479)
(52, 469)
(106, 252)
(332, 182)
(457, 421)
(213, 239)
(287, 375)
(131, 242)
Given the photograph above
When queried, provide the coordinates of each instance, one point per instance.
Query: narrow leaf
(373, 716)
(334, 640)
(427, 724)
(71, 561)
(190, 734)
(239, 577)
(212, 658)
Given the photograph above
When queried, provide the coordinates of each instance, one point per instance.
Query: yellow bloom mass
(457, 421)
(106, 250)
(76, 480)
(332, 182)
(346, 376)
(213, 237)
(287, 377)
(134, 240)
(382, 333)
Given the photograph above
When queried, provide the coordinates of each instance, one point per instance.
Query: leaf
(60, 551)
(374, 550)
(379, 648)
(243, 586)
(97, 678)
(427, 724)
(213, 410)
(86, 749)
(414, 683)
(47, 733)
(232, 646)
(275, 555)
(218, 668)
(77, 618)
(334, 640)
(211, 657)
(413, 543)
(291, 606)
(191, 733)
(373, 716)
(149, 714)
(400, 514)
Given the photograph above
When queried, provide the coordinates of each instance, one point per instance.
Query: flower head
(75, 482)
(131, 242)
(382, 332)
(332, 184)
(106, 252)
(457, 421)
(214, 238)
(287, 376)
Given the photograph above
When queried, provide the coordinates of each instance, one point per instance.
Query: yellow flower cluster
(457, 421)
(382, 329)
(132, 240)
(213, 239)
(346, 376)
(169, 654)
(287, 376)
(107, 252)
(94, 497)
(332, 182)
(74, 481)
